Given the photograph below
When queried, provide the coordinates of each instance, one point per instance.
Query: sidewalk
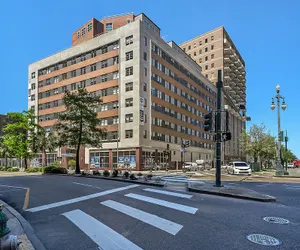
(21, 228)
(9, 174)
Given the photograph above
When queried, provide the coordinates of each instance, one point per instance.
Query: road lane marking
(168, 193)
(26, 201)
(102, 235)
(153, 220)
(86, 185)
(176, 206)
(78, 199)
(12, 186)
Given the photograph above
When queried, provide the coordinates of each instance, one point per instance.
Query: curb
(286, 176)
(28, 230)
(269, 199)
(112, 179)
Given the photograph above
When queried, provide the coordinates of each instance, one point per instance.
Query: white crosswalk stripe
(102, 235)
(158, 222)
(176, 206)
(168, 193)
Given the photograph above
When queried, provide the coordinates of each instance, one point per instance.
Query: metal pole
(279, 166)
(118, 148)
(286, 148)
(218, 129)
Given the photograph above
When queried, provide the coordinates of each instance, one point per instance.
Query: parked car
(238, 167)
(290, 165)
(190, 166)
(296, 163)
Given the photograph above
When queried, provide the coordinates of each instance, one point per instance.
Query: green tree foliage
(287, 155)
(20, 137)
(79, 125)
(258, 143)
(4, 151)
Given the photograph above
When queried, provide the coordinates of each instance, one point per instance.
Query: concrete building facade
(154, 96)
(215, 50)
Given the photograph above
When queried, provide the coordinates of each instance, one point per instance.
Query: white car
(290, 165)
(238, 167)
(190, 166)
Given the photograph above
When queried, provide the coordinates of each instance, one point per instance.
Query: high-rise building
(154, 95)
(215, 50)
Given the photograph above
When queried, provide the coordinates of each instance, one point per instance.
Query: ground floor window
(51, 157)
(99, 159)
(126, 159)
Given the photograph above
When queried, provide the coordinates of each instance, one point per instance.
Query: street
(81, 213)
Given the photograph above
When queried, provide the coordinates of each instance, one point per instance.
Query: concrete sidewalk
(22, 229)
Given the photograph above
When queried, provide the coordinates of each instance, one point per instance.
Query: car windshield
(240, 164)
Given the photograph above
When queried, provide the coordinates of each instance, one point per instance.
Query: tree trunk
(6, 162)
(45, 157)
(77, 169)
(26, 164)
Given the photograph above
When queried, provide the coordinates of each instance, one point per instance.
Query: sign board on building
(95, 161)
(127, 162)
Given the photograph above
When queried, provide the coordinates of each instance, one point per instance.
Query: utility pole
(218, 129)
(286, 149)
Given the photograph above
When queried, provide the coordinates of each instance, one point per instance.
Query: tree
(287, 155)
(4, 151)
(78, 125)
(45, 142)
(258, 143)
(20, 138)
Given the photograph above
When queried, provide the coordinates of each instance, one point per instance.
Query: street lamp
(280, 170)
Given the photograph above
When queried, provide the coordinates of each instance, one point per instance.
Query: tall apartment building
(215, 50)
(154, 95)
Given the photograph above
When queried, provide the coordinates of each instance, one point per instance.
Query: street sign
(68, 155)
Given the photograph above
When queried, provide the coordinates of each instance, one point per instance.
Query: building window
(82, 71)
(32, 98)
(212, 47)
(212, 56)
(129, 102)
(200, 60)
(200, 43)
(90, 27)
(73, 73)
(145, 56)
(128, 118)
(212, 38)
(195, 54)
(128, 133)
(93, 81)
(145, 87)
(200, 51)
(206, 58)
(104, 78)
(129, 55)
(145, 134)
(32, 75)
(93, 67)
(206, 67)
(206, 49)
(64, 76)
(145, 72)
(108, 27)
(129, 40)
(55, 79)
(205, 40)
(83, 31)
(73, 61)
(129, 71)
(189, 47)
(78, 34)
(212, 65)
(129, 86)
(145, 41)
(103, 64)
(128, 21)
(73, 86)
(32, 86)
(184, 49)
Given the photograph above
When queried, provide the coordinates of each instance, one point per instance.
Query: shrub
(71, 164)
(2, 168)
(56, 164)
(139, 174)
(115, 173)
(132, 177)
(106, 173)
(48, 169)
(33, 170)
(59, 170)
(126, 175)
(15, 170)
(96, 172)
(9, 169)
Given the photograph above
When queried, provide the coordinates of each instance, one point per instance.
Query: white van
(190, 166)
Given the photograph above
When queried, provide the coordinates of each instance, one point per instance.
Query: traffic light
(207, 122)
(182, 145)
(187, 144)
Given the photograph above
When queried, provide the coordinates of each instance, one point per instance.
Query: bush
(56, 164)
(126, 175)
(59, 170)
(48, 169)
(9, 170)
(33, 170)
(115, 173)
(139, 174)
(2, 168)
(132, 177)
(71, 164)
(96, 172)
(106, 173)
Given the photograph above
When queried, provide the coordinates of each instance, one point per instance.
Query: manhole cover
(264, 240)
(276, 220)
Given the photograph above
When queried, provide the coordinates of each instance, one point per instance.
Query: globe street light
(280, 170)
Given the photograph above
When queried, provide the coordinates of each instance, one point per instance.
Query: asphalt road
(81, 213)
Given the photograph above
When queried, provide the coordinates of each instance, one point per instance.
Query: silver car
(238, 167)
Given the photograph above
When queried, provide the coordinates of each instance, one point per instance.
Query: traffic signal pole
(218, 129)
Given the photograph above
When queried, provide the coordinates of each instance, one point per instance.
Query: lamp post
(280, 170)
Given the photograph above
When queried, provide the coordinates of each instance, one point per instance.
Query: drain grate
(276, 220)
(264, 240)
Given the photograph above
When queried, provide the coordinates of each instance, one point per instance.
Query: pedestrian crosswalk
(106, 238)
